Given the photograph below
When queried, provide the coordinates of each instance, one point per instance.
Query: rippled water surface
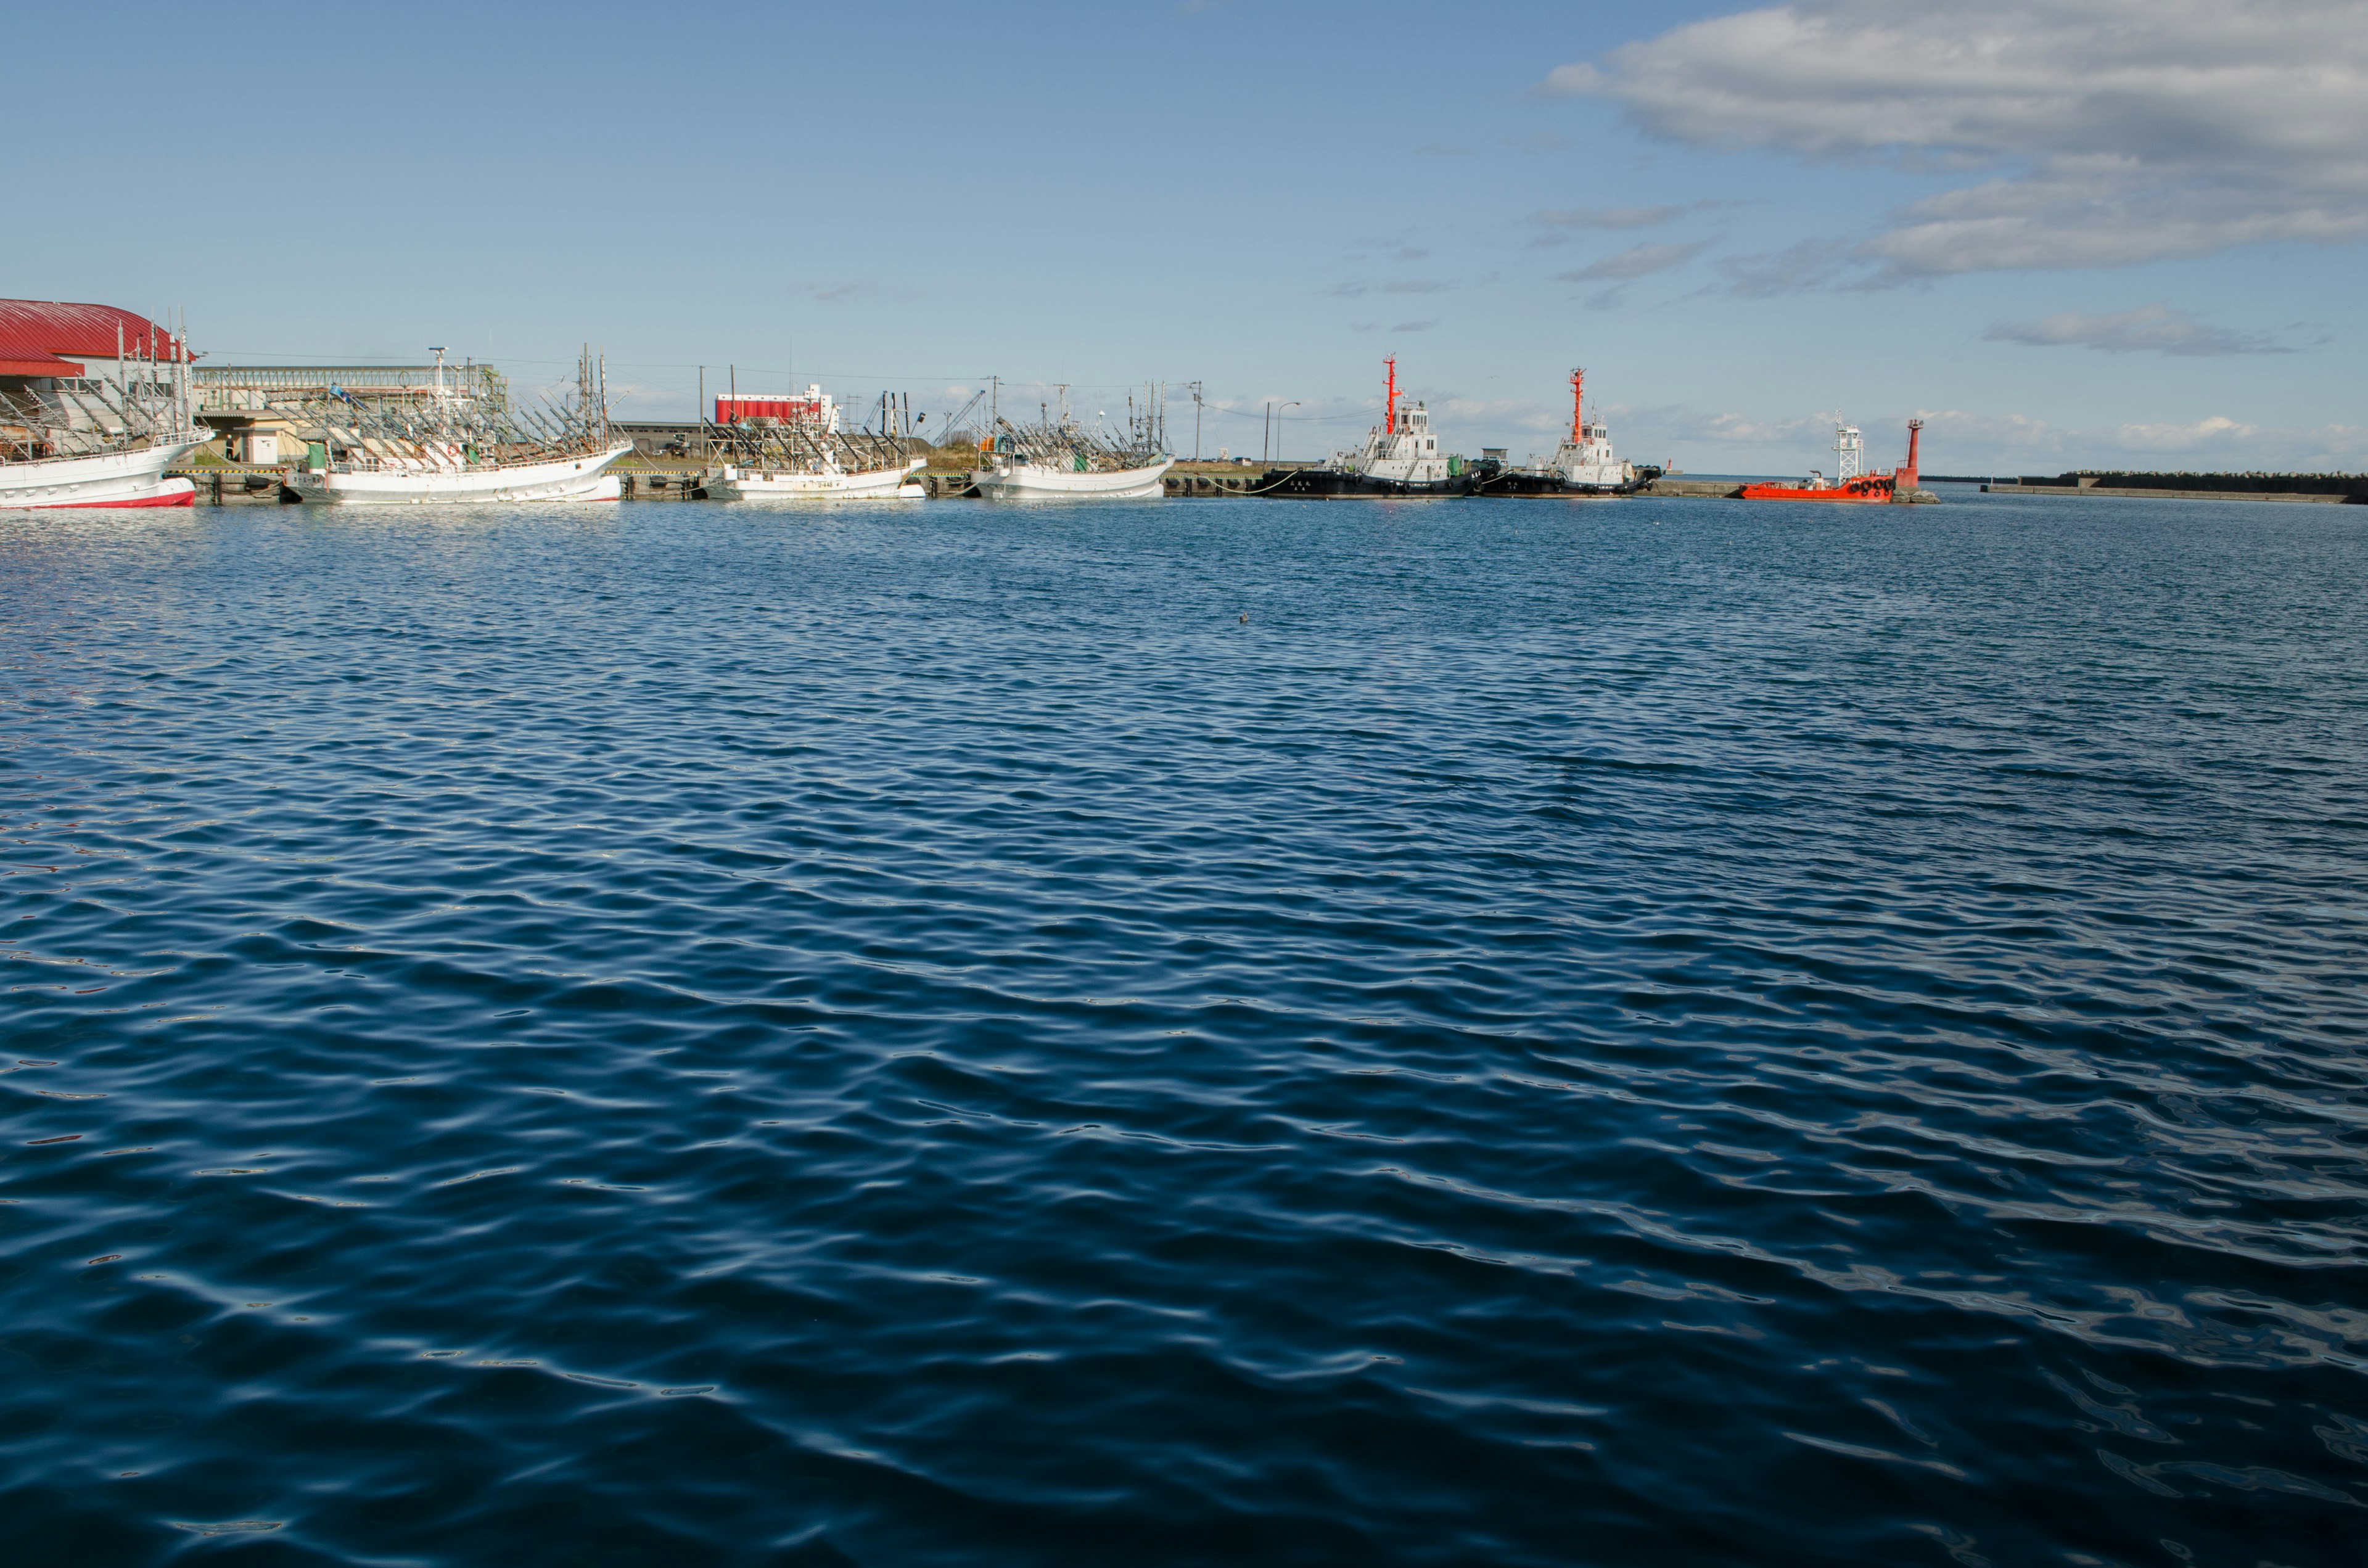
(1664, 1032)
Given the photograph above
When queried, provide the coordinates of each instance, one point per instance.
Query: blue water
(1660, 1032)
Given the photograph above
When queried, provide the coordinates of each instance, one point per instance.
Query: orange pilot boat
(1851, 482)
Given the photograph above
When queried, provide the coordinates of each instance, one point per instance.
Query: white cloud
(2217, 431)
(1637, 261)
(1721, 428)
(1812, 263)
(2113, 131)
(1491, 414)
(2149, 329)
(1608, 217)
(1405, 286)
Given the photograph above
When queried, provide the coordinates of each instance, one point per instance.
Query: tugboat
(1850, 484)
(1400, 457)
(1583, 465)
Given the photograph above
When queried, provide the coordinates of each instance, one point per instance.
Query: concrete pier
(1668, 484)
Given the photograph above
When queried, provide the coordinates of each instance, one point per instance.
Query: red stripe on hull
(1786, 492)
(185, 499)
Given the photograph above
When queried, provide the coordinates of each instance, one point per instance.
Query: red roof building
(45, 338)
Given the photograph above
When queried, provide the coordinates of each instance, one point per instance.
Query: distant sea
(1656, 1032)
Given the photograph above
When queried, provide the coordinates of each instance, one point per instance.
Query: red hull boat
(1880, 489)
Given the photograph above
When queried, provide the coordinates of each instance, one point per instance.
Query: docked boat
(94, 406)
(408, 481)
(463, 442)
(795, 449)
(1010, 479)
(734, 483)
(1400, 457)
(1584, 464)
(1059, 459)
(1851, 484)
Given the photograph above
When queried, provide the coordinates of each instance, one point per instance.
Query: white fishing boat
(459, 442)
(1019, 480)
(1063, 459)
(134, 478)
(399, 482)
(94, 406)
(825, 483)
(795, 447)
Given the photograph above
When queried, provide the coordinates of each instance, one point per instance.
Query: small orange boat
(1850, 482)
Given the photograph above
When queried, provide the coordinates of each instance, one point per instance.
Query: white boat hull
(585, 478)
(133, 478)
(1033, 481)
(789, 484)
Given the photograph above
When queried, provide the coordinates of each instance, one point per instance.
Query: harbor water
(1662, 1031)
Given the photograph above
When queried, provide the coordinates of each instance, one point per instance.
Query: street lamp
(1277, 429)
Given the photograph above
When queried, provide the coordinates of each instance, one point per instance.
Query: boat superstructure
(1584, 464)
(1400, 457)
(460, 439)
(795, 449)
(1851, 483)
(1060, 457)
(69, 437)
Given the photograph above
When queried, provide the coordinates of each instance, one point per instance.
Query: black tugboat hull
(1322, 484)
(1518, 484)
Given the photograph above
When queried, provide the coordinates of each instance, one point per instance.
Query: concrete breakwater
(2325, 488)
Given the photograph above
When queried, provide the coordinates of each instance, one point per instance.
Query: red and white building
(95, 406)
(814, 408)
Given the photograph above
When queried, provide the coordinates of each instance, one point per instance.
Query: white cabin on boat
(1405, 451)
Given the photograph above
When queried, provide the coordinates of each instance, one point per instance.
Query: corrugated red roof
(45, 338)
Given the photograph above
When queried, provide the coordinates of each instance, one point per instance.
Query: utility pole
(1196, 422)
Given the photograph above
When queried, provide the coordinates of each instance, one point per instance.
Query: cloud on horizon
(1969, 441)
(2149, 329)
(2111, 133)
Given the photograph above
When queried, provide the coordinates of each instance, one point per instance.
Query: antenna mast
(1849, 451)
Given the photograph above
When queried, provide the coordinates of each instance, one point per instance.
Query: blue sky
(2065, 231)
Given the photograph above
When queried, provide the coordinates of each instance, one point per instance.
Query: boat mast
(1849, 451)
(1390, 399)
(1577, 407)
